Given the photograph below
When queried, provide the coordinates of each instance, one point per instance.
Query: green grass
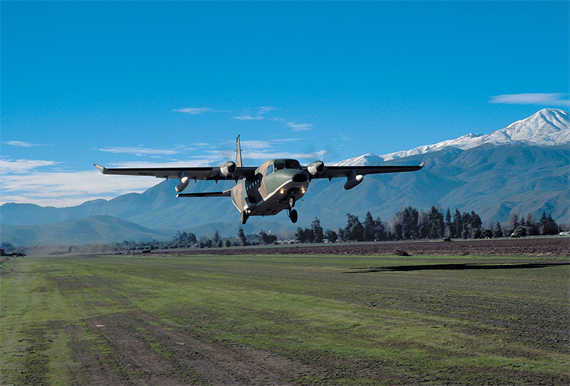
(354, 320)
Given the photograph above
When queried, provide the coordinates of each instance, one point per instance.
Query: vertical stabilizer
(238, 153)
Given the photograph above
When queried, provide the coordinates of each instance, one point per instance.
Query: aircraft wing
(193, 173)
(345, 171)
(225, 193)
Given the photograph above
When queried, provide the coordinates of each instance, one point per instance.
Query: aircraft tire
(293, 216)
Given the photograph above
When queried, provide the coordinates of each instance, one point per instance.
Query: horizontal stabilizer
(225, 193)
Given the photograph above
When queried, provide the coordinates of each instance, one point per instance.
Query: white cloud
(256, 145)
(261, 111)
(245, 117)
(22, 166)
(267, 155)
(23, 144)
(193, 110)
(554, 99)
(299, 126)
(70, 188)
(140, 151)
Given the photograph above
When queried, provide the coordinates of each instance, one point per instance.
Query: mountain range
(522, 168)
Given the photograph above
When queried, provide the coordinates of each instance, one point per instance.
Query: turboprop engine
(316, 167)
(227, 168)
(353, 179)
(184, 181)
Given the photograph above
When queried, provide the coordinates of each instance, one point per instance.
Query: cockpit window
(287, 164)
(292, 164)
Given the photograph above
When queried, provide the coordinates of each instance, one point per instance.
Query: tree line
(411, 224)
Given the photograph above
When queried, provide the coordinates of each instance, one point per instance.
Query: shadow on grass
(454, 267)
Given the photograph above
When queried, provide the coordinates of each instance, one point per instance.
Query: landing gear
(291, 202)
(243, 217)
(293, 216)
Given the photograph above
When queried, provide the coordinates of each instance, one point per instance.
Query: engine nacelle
(184, 181)
(227, 168)
(353, 179)
(316, 168)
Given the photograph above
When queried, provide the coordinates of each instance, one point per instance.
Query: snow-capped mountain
(548, 127)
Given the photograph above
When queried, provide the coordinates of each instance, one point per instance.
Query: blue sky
(174, 83)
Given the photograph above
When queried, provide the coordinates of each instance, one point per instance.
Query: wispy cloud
(22, 166)
(553, 99)
(299, 126)
(23, 144)
(193, 110)
(258, 115)
(139, 151)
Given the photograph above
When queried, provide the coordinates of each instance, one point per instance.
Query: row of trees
(407, 224)
(411, 224)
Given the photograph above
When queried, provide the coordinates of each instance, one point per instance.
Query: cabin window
(279, 165)
(269, 170)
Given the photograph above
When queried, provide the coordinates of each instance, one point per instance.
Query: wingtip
(102, 169)
(422, 164)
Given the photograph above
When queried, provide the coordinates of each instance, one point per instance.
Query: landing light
(282, 191)
(303, 190)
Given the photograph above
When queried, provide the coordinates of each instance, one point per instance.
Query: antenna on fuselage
(238, 153)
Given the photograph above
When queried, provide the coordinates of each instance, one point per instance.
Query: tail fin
(238, 153)
(3, 253)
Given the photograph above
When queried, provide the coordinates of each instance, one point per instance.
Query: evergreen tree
(551, 227)
(317, 231)
(436, 222)
(449, 230)
(354, 230)
(379, 230)
(475, 220)
(498, 232)
(216, 239)
(331, 236)
(369, 227)
(241, 236)
(457, 224)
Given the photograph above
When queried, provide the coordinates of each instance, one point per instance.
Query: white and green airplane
(265, 190)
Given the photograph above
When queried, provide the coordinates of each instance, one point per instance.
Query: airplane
(266, 190)
(13, 254)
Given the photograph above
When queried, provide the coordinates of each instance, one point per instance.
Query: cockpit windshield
(287, 164)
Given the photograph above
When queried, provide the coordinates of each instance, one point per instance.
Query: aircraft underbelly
(277, 201)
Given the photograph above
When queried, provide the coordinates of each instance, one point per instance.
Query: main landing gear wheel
(243, 217)
(293, 216)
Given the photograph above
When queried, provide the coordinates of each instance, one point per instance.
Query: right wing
(193, 173)
(345, 171)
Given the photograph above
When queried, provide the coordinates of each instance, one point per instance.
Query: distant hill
(522, 168)
(94, 229)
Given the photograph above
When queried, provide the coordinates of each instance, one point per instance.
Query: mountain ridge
(547, 127)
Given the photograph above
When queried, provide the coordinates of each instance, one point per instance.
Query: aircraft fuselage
(276, 186)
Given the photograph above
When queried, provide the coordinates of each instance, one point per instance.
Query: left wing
(346, 171)
(225, 193)
(193, 173)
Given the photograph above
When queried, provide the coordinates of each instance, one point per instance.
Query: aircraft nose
(300, 177)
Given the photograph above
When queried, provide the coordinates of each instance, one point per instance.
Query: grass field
(285, 320)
